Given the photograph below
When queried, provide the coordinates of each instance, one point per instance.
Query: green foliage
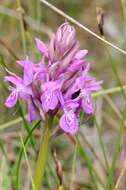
(105, 132)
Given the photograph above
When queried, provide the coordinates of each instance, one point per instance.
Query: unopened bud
(63, 41)
(100, 20)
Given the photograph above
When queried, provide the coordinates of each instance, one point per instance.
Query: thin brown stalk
(93, 152)
(120, 176)
(113, 106)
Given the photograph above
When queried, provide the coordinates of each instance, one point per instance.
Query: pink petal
(70, 104)
(28, 72)
(81, 54)
(87, 104)
(76, 65)
(13, 79)
(12, 99)
(69, 123)
(67, 59)
(49, 101)
(33, 113)
(51, 47)
(41, 47)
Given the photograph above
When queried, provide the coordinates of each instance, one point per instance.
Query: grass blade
(18, 164)
(29, 168)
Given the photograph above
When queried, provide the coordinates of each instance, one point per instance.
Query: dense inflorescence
(60, 82)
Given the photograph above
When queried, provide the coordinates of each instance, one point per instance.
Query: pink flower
(59, 82)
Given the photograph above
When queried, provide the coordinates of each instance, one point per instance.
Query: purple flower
(59, 83)
(20, 90)
(50, 96)
(69, 122)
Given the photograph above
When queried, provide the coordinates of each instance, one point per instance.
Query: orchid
(59, 83)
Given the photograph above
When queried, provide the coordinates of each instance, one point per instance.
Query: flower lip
(69, 122)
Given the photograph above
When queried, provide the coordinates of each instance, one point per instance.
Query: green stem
(110, 91)
(22, 27)
(61, 187)
(42, 158)
(101, 143)
(123, 3)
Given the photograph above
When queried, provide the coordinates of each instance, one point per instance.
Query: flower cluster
(60, 82)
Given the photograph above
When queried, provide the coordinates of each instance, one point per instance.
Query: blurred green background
(40, 21)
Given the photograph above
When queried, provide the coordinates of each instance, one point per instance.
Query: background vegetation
(98, 159)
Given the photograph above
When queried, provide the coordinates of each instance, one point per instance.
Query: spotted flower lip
(69, 122)
(59, 82)
(50, 96)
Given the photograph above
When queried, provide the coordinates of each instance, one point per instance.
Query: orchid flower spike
(60, 82)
